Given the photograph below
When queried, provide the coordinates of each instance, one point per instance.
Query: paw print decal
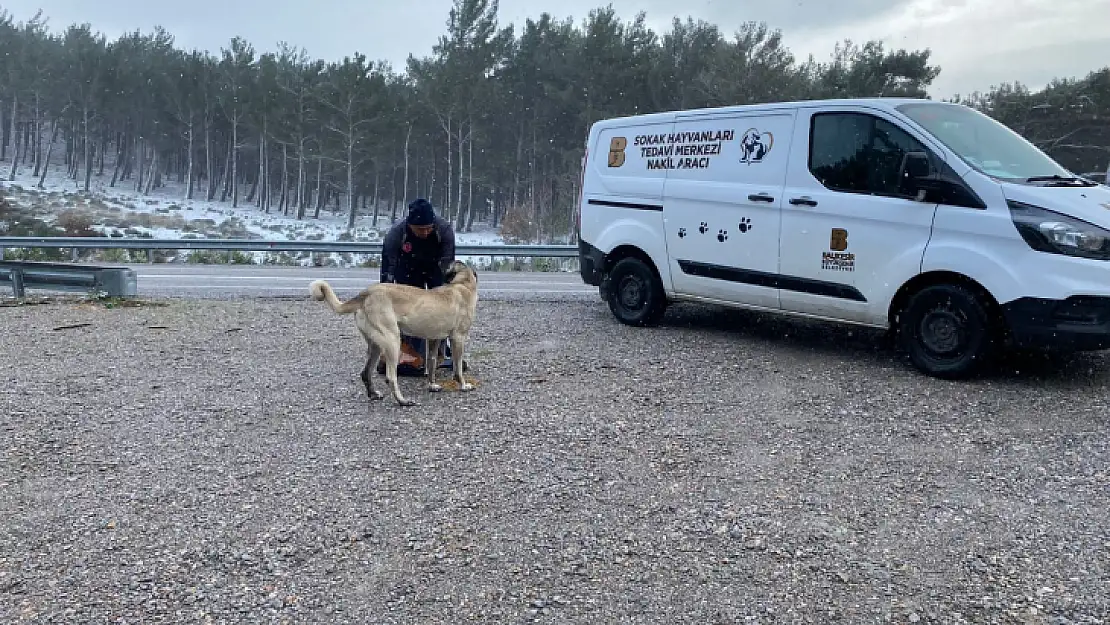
(722, 236)
(745, 225)
(681, 232)
(703, 228)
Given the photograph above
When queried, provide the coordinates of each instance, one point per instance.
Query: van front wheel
(946, 331)
(635, 294)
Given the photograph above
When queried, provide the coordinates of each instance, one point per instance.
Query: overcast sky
(977, 43)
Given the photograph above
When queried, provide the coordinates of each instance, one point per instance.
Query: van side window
(859, 153)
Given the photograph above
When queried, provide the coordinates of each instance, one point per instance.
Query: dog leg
(373, 355)
(392, 352)
(431, 361)
(458, 348)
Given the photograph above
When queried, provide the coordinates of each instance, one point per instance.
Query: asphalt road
(208, 281)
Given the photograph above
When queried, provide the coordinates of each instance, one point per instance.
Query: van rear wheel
(635, 294)
(946, 331)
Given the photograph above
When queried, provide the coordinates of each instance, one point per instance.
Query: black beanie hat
(421, 213)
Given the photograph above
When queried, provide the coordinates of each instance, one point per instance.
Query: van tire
(946, 331)
(635, 294)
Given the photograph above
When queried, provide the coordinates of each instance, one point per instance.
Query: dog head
(460, 273)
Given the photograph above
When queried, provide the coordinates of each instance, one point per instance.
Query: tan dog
(384, 311)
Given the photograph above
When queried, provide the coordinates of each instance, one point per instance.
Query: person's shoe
(448, 364)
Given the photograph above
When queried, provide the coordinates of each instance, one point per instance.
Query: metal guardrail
(262, 245)
(112, 281)
(121, 282)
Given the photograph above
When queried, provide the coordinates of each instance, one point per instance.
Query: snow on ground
(166, 214)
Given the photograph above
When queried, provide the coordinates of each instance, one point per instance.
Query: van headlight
(1048, 231)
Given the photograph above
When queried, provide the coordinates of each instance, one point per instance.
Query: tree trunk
(26, 139)
(459, 196)
(393, 192)
(36, 149)
(119, 159)
(404, 185)
(496, 205)
(416, 177)
(432, 180)
(532, 179)
(157, 168)
(264, 163)
(153, 173)
(258, 182)
(15, 148)
(128, 152)
(377, 189)
(319, 185)
(49, 151)
(189, 167)
(85, 139)
(235, 161)
(28, 133)
(515, 198)
(283, 204)
(208, 165)
(267, 178)
(141, 159)
(450, 172)
(254, 189)
(301, 195)
(225, 175)
(75, 145)
(352, 207)
(89, 158)
(68, 154)
(470, 179)
(101, 153)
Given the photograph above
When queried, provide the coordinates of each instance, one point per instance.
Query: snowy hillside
(165, 214)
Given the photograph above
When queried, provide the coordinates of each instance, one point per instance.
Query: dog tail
(322, 291)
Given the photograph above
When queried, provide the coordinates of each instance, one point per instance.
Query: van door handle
(762, 197)
(803, 201)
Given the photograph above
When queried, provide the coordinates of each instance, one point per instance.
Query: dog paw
(745, 225)
(434, 388)
(703, 228)
(376, 395)
(722, 236)
(466, 386)
(681, 232)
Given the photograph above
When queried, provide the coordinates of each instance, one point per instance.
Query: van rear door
(622, 198)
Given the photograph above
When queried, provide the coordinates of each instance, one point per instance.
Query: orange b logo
(838, 242)
(616, 151)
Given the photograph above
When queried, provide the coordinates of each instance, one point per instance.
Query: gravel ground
(217, 462)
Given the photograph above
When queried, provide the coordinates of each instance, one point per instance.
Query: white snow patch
(171, 216)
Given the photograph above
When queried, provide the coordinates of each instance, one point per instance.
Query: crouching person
(417, 251)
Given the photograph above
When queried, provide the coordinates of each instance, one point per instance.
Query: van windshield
(984, 143)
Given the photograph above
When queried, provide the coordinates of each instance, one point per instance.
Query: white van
(925, 218)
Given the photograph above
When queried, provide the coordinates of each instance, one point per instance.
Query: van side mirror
(915, 175)
(915, 166)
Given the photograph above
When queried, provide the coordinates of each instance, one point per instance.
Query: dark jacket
(397, 264)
